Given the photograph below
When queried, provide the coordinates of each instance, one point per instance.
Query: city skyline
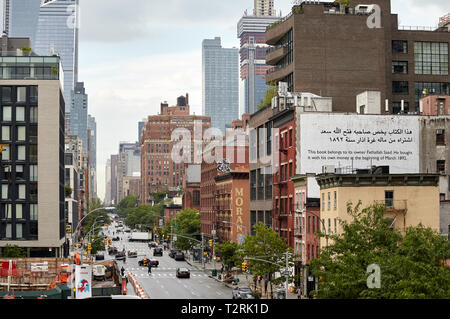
(150, 52)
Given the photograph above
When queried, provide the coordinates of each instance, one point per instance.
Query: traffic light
(244, 266)
(89, 246)
(109, 241)
(210, 243)
(106, 241)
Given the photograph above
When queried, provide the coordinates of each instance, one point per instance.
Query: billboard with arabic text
(350, 141)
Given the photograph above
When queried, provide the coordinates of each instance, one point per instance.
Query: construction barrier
(137, 288)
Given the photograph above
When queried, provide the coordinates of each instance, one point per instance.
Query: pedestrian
(221, 269)
(149, 265)
(122, 271)
(299, 296)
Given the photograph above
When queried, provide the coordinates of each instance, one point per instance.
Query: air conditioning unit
(328, 169)
(364, 9)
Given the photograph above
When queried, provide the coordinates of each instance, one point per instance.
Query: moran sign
(239, 214)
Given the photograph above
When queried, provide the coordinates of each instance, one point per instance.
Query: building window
(399, 46)
(431, 58)
(400, 87)
(440, 166)
(335, 226)
(314, 224)
(309, 224)
(323, 201)
(269, 139)
(268, 182)
(440, 137)
(389, 199)
(335, 200)
(253, 185)
(196, 200)
(399, 67)
(5, 189)
(442, 197)
(329, 200)
(6, 113)
(6, 133)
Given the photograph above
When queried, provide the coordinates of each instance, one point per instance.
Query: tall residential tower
(220, 83)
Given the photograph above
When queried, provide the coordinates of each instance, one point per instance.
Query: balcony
(275, 54)
(279, 73)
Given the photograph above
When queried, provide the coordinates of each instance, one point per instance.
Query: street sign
(213, 232)
(174, 237)
(175, 226)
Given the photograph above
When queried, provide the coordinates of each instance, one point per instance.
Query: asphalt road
(162, 283)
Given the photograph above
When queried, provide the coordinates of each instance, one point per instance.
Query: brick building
(230, 157)
(340, 52)
(159, 170)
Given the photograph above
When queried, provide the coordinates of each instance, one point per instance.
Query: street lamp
(74, 234)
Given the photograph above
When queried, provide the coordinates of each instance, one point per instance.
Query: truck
(99, 272)
(140, 236)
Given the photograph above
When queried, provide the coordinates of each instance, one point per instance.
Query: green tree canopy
(15, 251)
(412, 265)
(271, 91)
(228, 252)
(270, 247)
(187, 224)
(126, 206)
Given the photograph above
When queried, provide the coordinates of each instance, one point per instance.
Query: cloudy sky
(135, 54)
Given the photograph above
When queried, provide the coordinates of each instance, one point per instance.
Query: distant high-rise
(92, 149)
(21, 18)
(251, 31)
(141, 125)
(264, 8)
(79, 115)
(220, 83)
(57, 32)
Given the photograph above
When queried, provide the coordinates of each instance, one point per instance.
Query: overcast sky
(136, 54)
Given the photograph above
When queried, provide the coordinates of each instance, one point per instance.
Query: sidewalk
(244, 279)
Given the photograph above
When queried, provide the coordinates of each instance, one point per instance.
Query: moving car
(144, 262)
(179, 256)
(112, 251)
(121, 255)
(183, 272)
(158, 251)
(172, 253)
(243, 293)
(99, 257)
(152, 244)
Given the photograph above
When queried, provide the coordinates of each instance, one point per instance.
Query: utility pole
(287, 273)
(202, 256)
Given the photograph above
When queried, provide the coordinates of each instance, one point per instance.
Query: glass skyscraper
(79, 115)
(220, 77)
(57, 32)
(22, 19)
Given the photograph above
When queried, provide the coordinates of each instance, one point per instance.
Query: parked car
(158, 251)
(132, 254)
(243, 293)
(179, 256)
(172, 253)
(183, 272)
(144, 262)
(152, 244)
(116, 238)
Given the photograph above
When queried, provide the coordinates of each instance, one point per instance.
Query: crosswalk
(163, 275)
